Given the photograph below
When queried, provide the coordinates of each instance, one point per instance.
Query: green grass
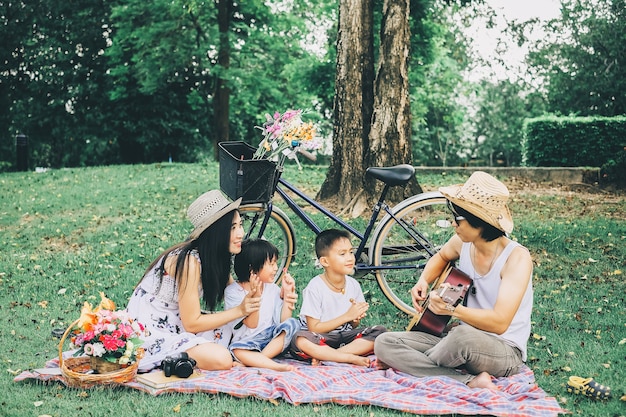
(68, 234)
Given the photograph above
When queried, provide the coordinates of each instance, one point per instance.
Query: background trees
(583, 58)
(124, 81)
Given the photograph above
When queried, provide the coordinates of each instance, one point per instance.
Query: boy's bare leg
(257, 359)
(275, 346)
(359, 347)
(326, 353)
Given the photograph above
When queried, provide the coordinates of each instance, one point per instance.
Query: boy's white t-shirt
(320, 302)
(269, 313)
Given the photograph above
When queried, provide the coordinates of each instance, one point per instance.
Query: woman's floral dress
(154, 303)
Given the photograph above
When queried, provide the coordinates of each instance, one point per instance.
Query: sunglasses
(457, 216)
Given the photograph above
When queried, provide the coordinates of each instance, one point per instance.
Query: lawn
(68, 234)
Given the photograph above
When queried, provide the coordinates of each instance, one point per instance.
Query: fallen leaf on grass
(176, 409)
(14, 372)
(623, 398)
(38, 403)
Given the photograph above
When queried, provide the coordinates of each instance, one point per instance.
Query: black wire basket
(242, 176)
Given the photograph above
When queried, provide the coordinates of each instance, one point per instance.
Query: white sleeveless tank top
(486, 290)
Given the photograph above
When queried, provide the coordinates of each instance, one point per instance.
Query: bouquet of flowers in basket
(106, 333)
(283, 132)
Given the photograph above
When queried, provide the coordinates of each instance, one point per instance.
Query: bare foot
(359, 360)
(380, 365)
(284, 367)
(482, 380)
(238, 364)
(315, 362)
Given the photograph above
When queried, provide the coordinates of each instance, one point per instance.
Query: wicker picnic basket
(79, 372)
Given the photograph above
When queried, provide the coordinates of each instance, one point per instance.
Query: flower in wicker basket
(111, 338)
(282, 132)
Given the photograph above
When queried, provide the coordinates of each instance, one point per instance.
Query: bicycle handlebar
(308, 155)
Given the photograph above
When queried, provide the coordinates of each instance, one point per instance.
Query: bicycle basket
(242, 176)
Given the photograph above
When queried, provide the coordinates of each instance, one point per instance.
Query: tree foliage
(583, 58)
(123, 81)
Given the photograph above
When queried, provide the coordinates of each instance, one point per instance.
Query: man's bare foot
(380, 365)
(315, 362)
(482, 380)
(238, 364)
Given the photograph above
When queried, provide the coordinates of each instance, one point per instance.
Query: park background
(101, 95)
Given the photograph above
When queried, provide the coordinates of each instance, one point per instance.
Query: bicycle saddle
(395, 175)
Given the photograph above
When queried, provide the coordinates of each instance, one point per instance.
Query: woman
(167, 299)
(495, 321)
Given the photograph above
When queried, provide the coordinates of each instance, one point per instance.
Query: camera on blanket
(180, 365)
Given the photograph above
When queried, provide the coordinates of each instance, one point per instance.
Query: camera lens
(184, 369)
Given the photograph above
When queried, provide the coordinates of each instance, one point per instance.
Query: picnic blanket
(345, 384)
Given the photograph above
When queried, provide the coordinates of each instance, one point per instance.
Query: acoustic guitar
(458, 284)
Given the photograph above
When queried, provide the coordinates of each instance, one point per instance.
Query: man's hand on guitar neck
(438, 305)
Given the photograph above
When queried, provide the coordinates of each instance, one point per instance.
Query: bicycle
(400, 243)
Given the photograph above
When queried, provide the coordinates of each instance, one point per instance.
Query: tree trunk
(353, 101)
(390, 135)
(221, 97)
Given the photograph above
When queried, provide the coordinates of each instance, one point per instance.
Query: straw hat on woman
(495, 316)
(167, 298)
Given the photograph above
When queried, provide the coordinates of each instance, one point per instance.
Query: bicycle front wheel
(403, 242)
(278, 231)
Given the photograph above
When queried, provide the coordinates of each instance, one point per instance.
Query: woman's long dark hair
(212, 246)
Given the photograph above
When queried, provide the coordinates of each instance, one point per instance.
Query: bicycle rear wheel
(404, 242)
(278, 231)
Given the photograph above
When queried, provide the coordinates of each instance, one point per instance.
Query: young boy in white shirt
(267, 332)
(333, 307)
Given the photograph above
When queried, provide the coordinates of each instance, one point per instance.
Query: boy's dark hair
(254, 253)
(488, 232)
(327, 238)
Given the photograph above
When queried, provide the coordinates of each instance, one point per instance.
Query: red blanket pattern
(518, 395)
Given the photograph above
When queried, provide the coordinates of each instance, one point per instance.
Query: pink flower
(110, 343)
(89, 335)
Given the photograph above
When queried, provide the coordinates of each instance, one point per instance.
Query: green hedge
(573, 141)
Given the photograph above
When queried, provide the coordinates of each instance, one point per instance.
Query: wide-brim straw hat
(207, 209)
(483, 196)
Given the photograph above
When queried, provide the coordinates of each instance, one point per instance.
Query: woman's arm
(189, 300)
(256, 290)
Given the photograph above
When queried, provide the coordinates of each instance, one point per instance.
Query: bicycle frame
(362, 237)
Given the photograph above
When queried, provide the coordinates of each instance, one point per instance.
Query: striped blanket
(518, 395)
